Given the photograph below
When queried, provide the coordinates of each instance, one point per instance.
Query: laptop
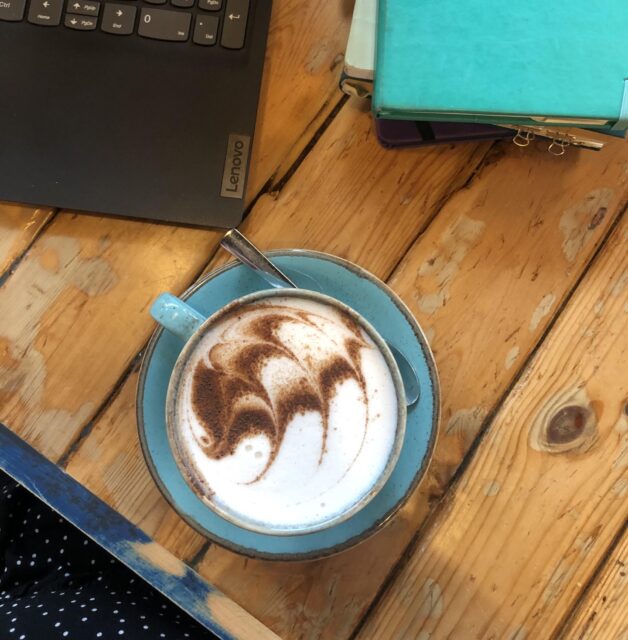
(139, 108)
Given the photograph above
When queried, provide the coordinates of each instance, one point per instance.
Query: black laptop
(140, 108)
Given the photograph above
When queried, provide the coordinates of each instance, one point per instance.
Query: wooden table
(515, 262)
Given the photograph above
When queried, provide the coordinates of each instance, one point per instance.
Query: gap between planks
(277, 187)
(570, 616)
(484, 429)
(83, 434)
(477, 171)
(15, 263)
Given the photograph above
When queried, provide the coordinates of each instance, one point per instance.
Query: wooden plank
(299, 90)
(109, 460)
(126, 542)
(500, 250)
(19, 224)
(74, 314)
(352, 198)
(604, 611)
(533, 514)
(118, 476)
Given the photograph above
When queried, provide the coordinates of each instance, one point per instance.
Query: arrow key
(83, 7)
(118, 19)
(45, 12)
(209, 5)
(80, 23)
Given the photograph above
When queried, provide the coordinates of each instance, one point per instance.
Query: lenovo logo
(234, 175)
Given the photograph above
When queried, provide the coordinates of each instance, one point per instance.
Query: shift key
(12, 10)
(160, 24)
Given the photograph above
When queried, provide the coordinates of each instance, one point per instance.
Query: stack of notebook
(444, 70)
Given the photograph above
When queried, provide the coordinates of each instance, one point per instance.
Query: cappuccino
(285, 414)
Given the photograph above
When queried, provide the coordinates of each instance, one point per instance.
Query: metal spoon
(245, 251)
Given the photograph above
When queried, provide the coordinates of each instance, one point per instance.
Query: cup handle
(176, 316)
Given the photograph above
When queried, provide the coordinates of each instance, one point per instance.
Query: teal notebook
(518, 62)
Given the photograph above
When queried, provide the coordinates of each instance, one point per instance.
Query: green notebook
(517, 61)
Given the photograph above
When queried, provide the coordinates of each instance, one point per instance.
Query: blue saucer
(383, 309)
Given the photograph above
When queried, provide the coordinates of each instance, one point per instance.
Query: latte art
(286, 414)
(229, 397)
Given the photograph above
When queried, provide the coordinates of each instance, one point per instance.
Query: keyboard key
(118, 19)
(234, 29)
(80, 23)
(185, 4)
(83, 7)
(156, 1)
(210, 5)
(12, 10)
(45, 12)
(206, 30)
(165, 25)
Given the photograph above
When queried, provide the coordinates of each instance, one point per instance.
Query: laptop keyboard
(205, 23)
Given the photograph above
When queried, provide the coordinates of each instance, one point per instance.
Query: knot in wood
(567, 424)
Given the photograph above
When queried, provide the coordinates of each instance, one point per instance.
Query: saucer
(385, 311)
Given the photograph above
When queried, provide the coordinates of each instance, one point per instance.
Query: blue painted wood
(106, 527)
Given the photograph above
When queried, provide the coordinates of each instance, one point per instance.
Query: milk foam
(301, 359)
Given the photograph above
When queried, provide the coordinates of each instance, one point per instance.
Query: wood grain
(75, 312)
(493, 270)
(479, 280)
(352, 198)
(604, 611)
(237, 621)
(19, 224)
(299, 90)
(541, 501)
(119, 476)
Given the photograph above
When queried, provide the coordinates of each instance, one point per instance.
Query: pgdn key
(160, 24)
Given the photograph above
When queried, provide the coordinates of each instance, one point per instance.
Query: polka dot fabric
(55, 583)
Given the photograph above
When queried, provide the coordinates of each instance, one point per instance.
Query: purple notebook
(408, 133)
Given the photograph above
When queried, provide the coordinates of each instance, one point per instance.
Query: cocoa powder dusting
(215, 394)
(230, 400)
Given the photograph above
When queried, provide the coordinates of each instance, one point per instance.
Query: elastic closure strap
(622, 122)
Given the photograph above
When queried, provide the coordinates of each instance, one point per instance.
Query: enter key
(234, 28)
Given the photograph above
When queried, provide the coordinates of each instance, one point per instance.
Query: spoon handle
(238, 246)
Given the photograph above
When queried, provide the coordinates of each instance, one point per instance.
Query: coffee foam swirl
(229, 397)
(287, 413)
